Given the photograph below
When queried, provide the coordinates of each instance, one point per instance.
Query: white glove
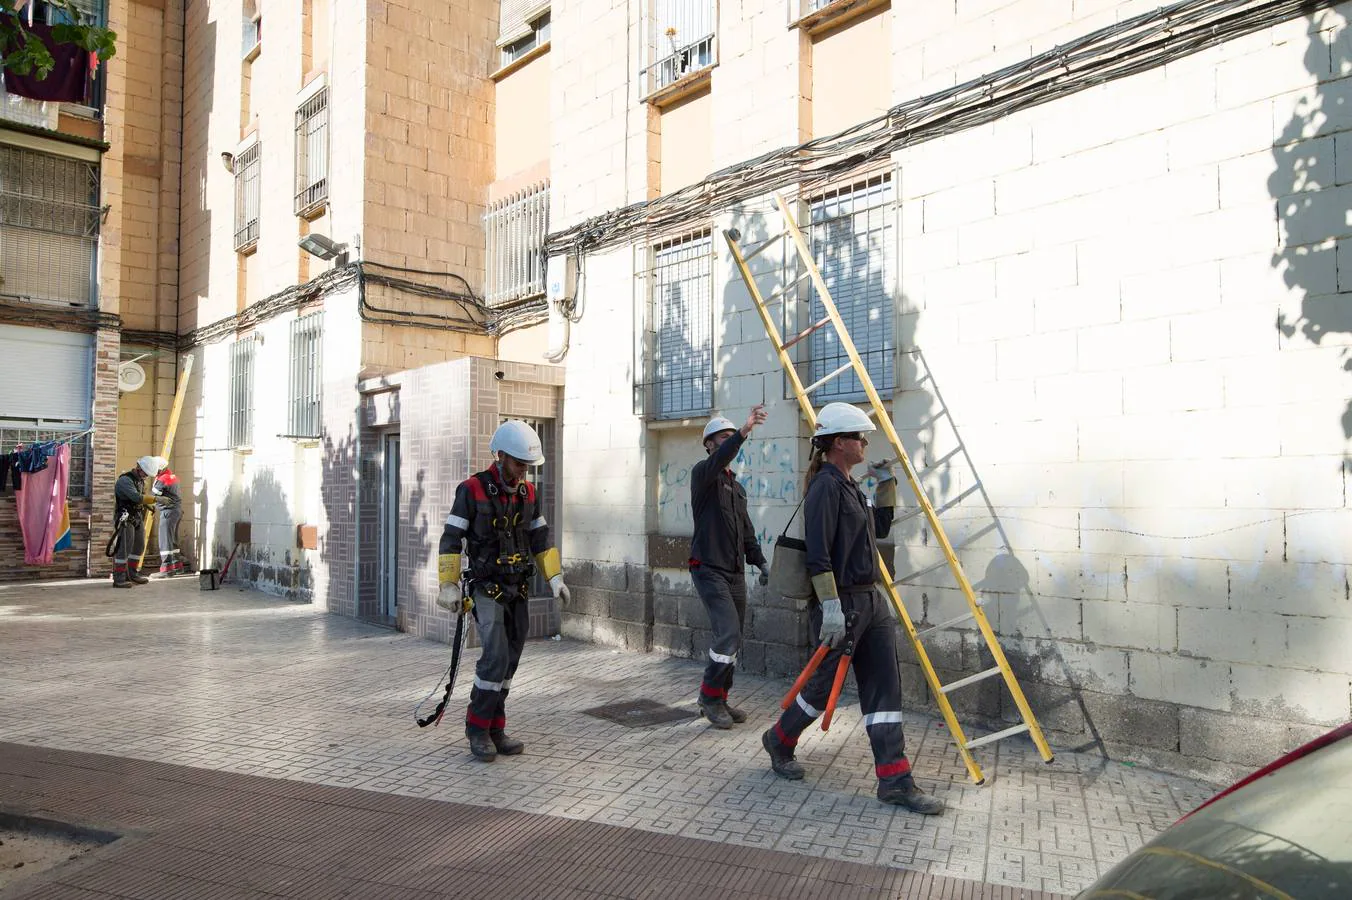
(833, 623)
(449, 597)
(560, 589)
(882, 471)
(764, 574)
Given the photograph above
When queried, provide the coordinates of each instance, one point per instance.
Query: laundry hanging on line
(41, 503)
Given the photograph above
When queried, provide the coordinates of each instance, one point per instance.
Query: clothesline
(66, 439)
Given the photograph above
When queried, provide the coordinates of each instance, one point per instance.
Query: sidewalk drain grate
(640, 713)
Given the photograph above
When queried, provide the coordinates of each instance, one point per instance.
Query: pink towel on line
(40, 501)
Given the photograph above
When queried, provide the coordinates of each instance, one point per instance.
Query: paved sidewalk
(238, 682)
(199, 834)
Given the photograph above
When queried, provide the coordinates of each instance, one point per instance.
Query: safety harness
(503, 576)
(512, 564)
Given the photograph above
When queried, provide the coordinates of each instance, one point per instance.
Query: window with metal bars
(49, 227)
(241, 393)
(12, 438)
(312, 153)
(248, 195)
(852, 232)
(681, 361)
(515, 230)
(682, 40)
(303, 419)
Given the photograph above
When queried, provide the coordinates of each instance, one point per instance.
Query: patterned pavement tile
(238, 682)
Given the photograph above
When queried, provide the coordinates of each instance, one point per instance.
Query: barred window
(680, 364)
(305, 394)
(248, 194)
(681, 40)
(515, 230)
(537, 35)
(241, 392)
(312, 153)
(852, 231)
(49, 227)
(12, 438)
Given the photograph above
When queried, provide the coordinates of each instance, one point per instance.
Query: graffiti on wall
(768, 471)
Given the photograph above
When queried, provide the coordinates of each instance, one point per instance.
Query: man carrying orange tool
(842, 560)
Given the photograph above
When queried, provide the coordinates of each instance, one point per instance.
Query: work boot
(737, 715)
(134, 575)
(909, 795)
(716, 712)
(481, 746)
(781, 757)
(120, 580)
(507, 745)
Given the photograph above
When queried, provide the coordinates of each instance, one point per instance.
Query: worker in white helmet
(497, 513)
(723, 545)
(129, 520)
(842, 559)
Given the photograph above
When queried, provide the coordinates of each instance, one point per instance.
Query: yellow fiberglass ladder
(975, 614)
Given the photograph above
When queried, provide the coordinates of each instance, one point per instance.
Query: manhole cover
(640, 713)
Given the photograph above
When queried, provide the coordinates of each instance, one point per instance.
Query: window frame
(305, 384)
(243, 365)
(876, 345)
(312, 134)
(515, 228)
(656, 394)
(248, 193)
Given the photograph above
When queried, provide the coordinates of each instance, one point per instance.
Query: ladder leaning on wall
(975, 613)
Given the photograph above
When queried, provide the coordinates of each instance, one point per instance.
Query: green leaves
(25, 54)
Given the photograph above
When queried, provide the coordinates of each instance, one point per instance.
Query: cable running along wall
(1130, 47)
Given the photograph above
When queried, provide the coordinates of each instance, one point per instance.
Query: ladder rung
(970, 679)
(997, 736)
(932, 419)
(761, 248)
(823, 321)
(816, 384)
(943, 563)
(780, 293)
(956, 620)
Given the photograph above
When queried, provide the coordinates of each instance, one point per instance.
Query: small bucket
(208, 579)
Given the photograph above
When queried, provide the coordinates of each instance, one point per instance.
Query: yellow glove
(448, 569)
(549, 563)
(149, 502)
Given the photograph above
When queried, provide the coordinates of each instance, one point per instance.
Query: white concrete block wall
(1224, 432)
(1133, 304)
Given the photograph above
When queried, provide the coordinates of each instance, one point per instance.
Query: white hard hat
(717, 424)
(519, 441)
(152, 465)
(842, 418)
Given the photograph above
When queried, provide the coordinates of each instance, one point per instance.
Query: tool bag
(788, 566)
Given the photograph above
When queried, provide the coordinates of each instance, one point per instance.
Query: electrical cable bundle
(1127, 48)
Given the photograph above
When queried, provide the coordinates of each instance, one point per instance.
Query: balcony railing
(682, 40)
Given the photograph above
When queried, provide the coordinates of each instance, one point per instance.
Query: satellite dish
(130, 377)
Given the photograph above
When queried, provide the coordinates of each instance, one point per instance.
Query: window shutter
(45, 374)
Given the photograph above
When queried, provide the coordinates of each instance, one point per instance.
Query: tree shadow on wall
(345, 571)
(265, 505)
(1316, 256)
(852, 251)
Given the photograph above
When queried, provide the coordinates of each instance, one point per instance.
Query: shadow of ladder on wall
(975, 612)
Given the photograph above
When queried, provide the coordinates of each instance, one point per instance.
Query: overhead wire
(1129, 47)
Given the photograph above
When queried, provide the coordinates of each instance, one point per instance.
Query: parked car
(1283, 833)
